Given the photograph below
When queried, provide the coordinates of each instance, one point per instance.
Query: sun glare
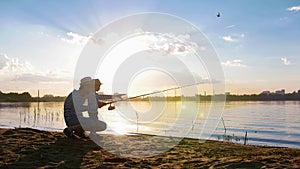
(119, 128)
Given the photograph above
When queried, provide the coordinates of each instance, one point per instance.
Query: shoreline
(26, 147)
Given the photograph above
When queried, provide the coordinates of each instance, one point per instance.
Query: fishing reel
(111, 107)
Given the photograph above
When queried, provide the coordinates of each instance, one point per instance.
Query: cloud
(234, 63)
(233, 38)
(98, 41)
(32, 81)
(230, 26)
(294, 8)
(76, 39)
(285, 61)
(12, 69)
(38, 78)
(3, 60)
(229, 39)
(172, 44)
(283, 19)
(10, 65)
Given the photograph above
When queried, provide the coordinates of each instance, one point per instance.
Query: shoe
(80, 134)
(95, 136)
(68, 133)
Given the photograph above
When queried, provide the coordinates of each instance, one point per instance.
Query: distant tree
(25, 96)
(52, 98)
(15, 97)
(48, 96)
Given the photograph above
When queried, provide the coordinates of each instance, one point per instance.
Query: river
(272, 123)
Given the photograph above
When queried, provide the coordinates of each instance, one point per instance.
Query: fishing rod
(155, 92)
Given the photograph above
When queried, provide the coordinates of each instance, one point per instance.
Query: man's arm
(107, 97)
(101, 104)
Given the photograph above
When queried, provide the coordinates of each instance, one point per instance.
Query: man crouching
(78, 101)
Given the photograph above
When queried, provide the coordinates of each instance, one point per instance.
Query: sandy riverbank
(30, 148)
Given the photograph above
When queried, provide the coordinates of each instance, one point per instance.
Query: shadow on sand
(41, 149)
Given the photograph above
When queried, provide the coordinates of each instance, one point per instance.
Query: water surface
(273, 123)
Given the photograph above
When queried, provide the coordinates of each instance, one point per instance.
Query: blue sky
(257, 41)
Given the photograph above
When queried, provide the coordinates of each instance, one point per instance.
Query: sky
(257, 42)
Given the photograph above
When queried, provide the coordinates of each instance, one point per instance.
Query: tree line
(252, 97)
(26, 97)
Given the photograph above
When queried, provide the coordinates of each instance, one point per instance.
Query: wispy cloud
(285, 61)
(283, 19)
(39, 78)
(294, 8)
(230, 26)
(76, 39)
(234, 63)
(229, 39)
(233, 38)
(98, 41)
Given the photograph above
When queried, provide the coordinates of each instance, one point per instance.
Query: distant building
(280, 92)
(266, 92)
(298, 91)
(227, 93)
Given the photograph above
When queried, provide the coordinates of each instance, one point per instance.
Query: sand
(31, 148)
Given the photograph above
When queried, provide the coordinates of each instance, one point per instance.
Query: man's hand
(111, 107)
(101, 104)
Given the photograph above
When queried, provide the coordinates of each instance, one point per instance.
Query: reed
(137, 121)
(20, 119)
(224, 125)
(245, 138)
(227, 137)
